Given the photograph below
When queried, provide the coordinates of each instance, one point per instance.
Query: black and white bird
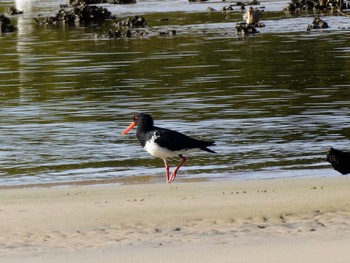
(165, 143)
(340, 160)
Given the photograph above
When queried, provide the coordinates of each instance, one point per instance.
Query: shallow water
(273, 102)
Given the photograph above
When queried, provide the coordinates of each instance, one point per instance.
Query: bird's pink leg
(173, 174)
(167, 171)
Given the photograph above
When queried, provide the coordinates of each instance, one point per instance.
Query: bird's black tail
(207, 144)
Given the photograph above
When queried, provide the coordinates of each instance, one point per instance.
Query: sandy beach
(284, 220)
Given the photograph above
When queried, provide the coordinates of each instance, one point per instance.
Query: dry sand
(288, 220)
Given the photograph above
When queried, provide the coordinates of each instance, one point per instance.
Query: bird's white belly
(164, 153)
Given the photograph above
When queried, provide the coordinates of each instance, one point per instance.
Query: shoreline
(221, 220)
(146, 179)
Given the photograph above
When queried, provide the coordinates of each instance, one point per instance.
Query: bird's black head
(340, 160)
(331, 155)
(143, 121)
(142, 117)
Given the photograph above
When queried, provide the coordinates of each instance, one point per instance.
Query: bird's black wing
(176, 141)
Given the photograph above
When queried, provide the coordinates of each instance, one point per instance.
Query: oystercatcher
(165, 143)
(340, 160)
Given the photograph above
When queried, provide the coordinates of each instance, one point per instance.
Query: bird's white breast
(161, 152)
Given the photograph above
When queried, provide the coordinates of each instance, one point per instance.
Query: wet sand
(289, 220)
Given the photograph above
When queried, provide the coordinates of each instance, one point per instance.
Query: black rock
(80, 13)
(5, 24)
(244, 28)
(318, 23)
(314, 5)
(122, 2)
(13, 11)
(136, 21)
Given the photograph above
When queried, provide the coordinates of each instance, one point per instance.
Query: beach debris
(265, 219)
(283, 217)
(5, 24)
(317, 187)
(339, 159)
(13, 11)
(318, 23)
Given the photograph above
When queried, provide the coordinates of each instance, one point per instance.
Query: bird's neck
(145, 127)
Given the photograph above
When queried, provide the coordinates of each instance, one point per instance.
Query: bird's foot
(172, 177)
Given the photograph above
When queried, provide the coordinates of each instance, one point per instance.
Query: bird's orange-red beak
(132, 125)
